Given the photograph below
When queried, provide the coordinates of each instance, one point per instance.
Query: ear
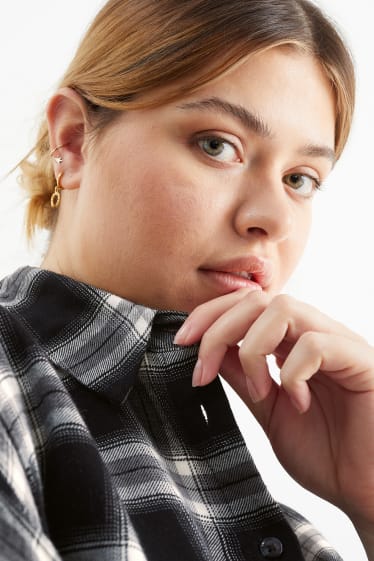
(67, 120)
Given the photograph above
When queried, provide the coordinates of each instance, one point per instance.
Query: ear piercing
(57, 159)
(56, 195)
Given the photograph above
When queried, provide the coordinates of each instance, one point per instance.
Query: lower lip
(227, 282)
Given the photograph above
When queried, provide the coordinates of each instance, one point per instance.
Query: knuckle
(256, 302)
(312, 341)
(241, 353)
(199, 310)
(244, 355)
(286, 380)
(208, 339)
(283, 304)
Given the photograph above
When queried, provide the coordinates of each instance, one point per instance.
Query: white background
(38, 38)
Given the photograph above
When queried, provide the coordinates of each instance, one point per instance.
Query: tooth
(244, 274)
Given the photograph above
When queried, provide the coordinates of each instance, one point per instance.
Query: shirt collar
(97, 337)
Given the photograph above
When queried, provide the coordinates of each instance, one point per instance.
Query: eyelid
(307, 172)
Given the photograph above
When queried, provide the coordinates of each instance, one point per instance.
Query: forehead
(277, 87)
(270, 69)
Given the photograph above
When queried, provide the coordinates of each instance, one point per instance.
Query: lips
(248, 271)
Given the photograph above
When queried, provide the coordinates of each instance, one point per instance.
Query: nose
(265, 210)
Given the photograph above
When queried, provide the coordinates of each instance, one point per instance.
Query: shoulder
(17, 338)
(18, 347)
(26, 373)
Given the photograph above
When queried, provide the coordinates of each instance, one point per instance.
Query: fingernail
(197, 375)
(182, 334)
(252, 390)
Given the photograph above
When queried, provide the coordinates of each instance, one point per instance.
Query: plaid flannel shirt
(106, 451)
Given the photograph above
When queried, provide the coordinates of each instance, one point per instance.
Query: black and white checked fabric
(106, 451)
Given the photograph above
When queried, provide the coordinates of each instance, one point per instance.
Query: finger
(203, 316)
(263, 327)
(276, 329)
(224, 333)
(304, 317)
(348, 363)
(231, 370)
(262, 339)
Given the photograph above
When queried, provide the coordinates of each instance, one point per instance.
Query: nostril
(255, 231)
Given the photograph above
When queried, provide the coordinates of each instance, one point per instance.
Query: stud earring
(57, 159)
(56, 195)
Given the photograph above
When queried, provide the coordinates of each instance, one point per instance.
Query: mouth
(248, 272)
(242, 274)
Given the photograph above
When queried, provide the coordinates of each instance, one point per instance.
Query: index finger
(203, 316)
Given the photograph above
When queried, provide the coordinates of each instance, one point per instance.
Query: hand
(326, 373)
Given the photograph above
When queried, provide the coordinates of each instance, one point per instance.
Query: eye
(305, 185)
(218, 148)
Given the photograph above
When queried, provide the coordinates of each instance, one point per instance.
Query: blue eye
(304, 185)
(218, 148)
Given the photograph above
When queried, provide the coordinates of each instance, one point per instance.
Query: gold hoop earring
(56, 195)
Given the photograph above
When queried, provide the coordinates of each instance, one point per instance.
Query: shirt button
(271, 548)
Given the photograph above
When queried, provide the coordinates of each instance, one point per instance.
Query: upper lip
(260, 268)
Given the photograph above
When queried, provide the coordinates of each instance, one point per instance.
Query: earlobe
(68, 126)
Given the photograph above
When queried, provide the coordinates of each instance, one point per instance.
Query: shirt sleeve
(313, 545)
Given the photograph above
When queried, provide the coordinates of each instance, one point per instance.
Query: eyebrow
(254, 123)
(251, 121)
(317, 151)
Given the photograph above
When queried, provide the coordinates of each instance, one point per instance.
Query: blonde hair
(141, 53)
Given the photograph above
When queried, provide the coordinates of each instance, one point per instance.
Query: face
(185, 202)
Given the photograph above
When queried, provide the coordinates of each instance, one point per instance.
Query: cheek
(172, 201)
(293, 248)
(305, 224)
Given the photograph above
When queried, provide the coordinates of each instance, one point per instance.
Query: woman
(176, 171)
